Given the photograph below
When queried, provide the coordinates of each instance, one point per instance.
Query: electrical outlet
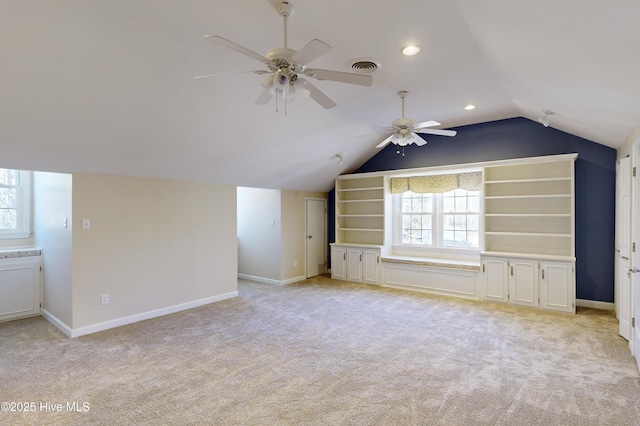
(295, 263)
(104, 299)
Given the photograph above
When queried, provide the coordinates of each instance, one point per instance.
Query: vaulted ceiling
(106, 86)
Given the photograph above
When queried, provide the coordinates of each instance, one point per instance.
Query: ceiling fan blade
(240, 49)
(310, 52)
(418, 140)
(317, 95)
(343, 77)
(436, 132)
(265, 96)
(430, 123)
(230, 73)
(385, 142)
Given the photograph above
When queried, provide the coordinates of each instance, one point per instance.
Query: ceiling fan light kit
(405, 130)
(287, 68)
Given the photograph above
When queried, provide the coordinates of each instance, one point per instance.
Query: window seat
(433, 262)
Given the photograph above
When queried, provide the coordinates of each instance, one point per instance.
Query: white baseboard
(55, 321)
(270, 280)
(607, 306)
(94, 328)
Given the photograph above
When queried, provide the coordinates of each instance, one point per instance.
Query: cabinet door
(495, 278)
(354, 264)
(338, 263)
(370, 267)
(19, 288)
(523, 282)
(557, 286)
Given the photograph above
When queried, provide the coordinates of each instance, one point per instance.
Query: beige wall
(152, 244)
(259, 222)
(294, 232)
(267, 252)
(52, 193)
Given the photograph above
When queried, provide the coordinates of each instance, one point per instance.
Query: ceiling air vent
(364, 65)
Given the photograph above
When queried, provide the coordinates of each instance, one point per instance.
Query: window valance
(437, 183)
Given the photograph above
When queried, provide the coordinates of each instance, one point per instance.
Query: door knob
(309, 236)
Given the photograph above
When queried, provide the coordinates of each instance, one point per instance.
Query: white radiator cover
(20, 283)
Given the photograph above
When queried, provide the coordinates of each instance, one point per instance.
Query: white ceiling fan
(287, 66)
(405, 130)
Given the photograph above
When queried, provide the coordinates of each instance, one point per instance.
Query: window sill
(15, 235)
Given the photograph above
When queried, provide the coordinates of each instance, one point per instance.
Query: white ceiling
(106, 86)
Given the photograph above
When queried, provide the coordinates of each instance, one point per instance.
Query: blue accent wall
(595, 172)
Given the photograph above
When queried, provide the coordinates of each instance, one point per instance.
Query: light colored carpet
(326, 352)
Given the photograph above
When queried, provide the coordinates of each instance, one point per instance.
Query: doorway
(316, 236)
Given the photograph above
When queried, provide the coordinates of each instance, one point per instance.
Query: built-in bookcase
(529, 207)
(360, 210)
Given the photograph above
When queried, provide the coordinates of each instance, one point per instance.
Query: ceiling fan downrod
(285, 9)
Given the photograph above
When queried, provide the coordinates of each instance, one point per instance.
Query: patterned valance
(437, 183)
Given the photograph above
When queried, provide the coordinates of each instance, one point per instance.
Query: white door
(635, 260)
(371, 260)
(523, 282)
(557, 286)
(354, 264)
(338, 263)
(316, 237)
(624, 239)
(496, 279)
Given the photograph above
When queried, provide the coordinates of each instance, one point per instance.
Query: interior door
(316, 247)
(635, 260)
(624, 252)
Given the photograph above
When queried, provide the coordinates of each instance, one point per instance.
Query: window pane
(473, 222)
(461, 204)
(474, 204)
(8, 208)
(447, 204)
(416, 205)
(9, 177)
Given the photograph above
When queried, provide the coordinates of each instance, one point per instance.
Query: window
(450, 219)
(15, 204)
(439, 212)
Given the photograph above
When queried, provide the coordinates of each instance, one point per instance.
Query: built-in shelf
(529, 207)
(360, 209)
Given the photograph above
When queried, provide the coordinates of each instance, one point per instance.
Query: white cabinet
(523, 282)
(557, 286)
(20, 294)
(511, 280)
(532, 282)
(357, 264)
(338, 263)
(496, 279)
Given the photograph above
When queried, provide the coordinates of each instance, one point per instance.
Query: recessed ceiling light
(411, 50)
(470, 107)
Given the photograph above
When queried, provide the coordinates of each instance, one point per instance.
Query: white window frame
(437, 249)
(23, 229)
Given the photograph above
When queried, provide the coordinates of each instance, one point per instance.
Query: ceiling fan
(286, 68)
(405, 130)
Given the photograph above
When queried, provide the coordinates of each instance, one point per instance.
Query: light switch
(86, 224)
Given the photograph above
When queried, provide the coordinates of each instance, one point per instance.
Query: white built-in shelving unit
(529, 207)
(360, 210)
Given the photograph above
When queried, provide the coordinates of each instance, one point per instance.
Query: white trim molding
(271, 280)
(94, 328)
(607, 306)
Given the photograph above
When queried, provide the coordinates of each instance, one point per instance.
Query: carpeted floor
(326, 352)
